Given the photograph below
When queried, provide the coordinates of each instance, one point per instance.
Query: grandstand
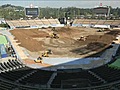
(93, 22)
(91, 64)
(15, 74)
(80, 79)
(33, 23)
(96, 22)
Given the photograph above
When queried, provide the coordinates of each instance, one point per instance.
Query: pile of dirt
(95, 46)
(114, 32)
(68, 32)
(101, 38)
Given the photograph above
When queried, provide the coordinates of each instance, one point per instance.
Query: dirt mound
(101, 38)
(69, 32)
(114, 32)
(94, 46)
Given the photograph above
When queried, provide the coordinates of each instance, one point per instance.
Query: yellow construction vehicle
(53, 35)
(39, 60)
(49, 51)
(45, 54)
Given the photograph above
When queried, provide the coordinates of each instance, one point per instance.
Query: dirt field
(68, 44)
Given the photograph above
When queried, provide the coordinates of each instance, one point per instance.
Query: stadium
(52, 54)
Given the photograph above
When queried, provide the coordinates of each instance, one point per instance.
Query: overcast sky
(62, 3)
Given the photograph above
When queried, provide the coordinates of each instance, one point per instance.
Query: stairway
(98, 77)
(51, 79)
(25, 76)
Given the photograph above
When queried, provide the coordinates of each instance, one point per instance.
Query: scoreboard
(31, 11)
(101, 10)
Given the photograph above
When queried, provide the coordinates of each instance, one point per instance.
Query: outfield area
(35, 41)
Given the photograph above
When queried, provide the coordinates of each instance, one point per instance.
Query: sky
(62, 3)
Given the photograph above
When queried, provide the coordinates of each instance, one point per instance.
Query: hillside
(9, 6)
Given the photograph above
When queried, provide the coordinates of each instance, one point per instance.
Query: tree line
(11, 12)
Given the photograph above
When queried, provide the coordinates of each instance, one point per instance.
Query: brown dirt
(69, 32)
(26, 38)
(67, 44)
(27, 61)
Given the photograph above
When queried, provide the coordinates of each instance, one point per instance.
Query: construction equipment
(45, 54)
(82, 38)
(39, 60)
(100, 30)
(53, 35)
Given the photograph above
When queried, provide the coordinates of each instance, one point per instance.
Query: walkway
(20, 54)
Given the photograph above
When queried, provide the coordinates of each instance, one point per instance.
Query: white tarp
(101, 26)
(86, 25)
(58, 25)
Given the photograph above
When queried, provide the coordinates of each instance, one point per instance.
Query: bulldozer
(39, 60)
(45, 54)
